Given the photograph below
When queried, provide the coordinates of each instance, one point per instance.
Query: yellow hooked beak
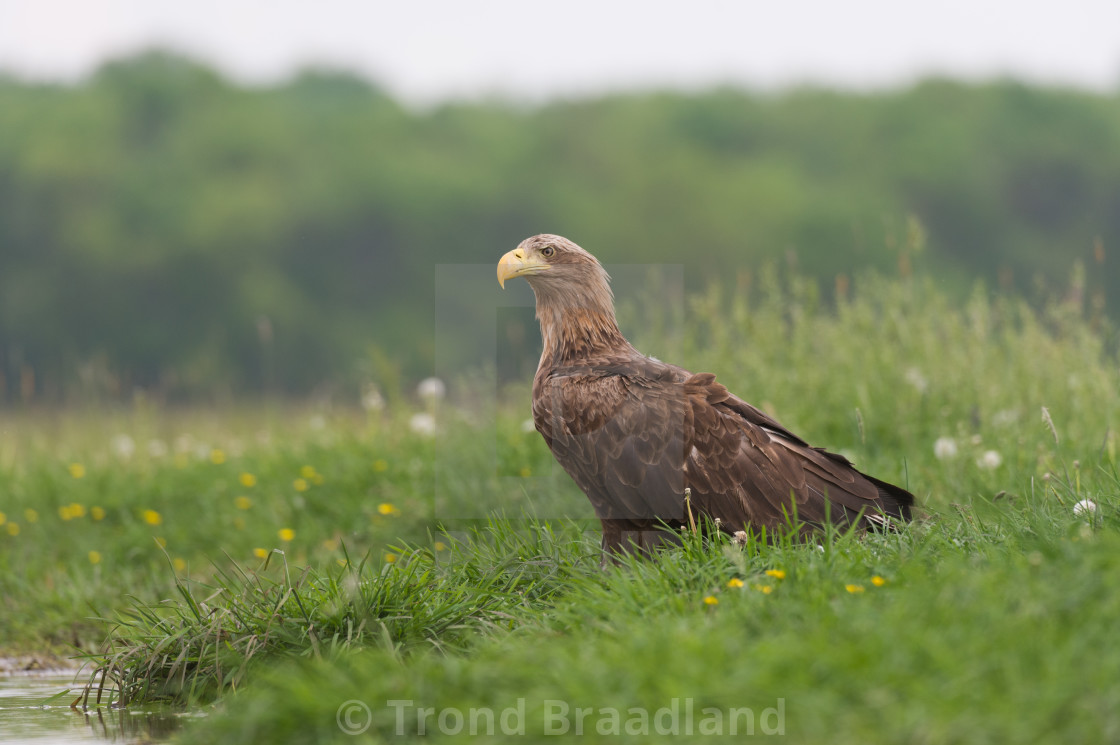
(514, 264)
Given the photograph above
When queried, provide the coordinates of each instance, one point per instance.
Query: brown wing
(619, 430)
(745, 467)
(635, 433)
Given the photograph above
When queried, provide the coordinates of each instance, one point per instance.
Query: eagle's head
(560, 272)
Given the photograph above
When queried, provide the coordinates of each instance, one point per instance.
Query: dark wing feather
(633, 433)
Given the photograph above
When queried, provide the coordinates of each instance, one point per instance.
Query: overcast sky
(430, 50)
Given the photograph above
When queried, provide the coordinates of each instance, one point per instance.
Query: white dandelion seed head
(990, 460)
(945, 448)
(123, 446)
(431, 389)
(915, 378)
(977, 439)
(372, 400)
(1085, 507)
(740, 537)
(423, 424)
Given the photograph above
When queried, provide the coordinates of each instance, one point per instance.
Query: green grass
(460, 572)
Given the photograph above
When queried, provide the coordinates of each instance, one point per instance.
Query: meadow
(421, 568)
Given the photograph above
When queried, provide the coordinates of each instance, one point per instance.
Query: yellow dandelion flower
(776, 573)
(77, 470)
(161, 542)
(217, 457)
(151, 517)
(31, 515)
(307, 472)
(525, 472)
(387, 509)
(94, 557)
(13, 528)
(735, 582)
(3, 518)
(179, 564)
(97, 513)
(441, 546)
(77, 510)
(390, 558)
(260, 553)
(242, 503)
(764, 589)
(854, 589)
(286, 534)
(247, 480)
(300, 485)
(711, 600)
(380, 466)
(878, 581)
(64, 512)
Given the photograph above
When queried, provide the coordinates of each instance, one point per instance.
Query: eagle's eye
(547, 251)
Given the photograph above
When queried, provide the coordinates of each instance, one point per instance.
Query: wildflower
(77, 470)
(740, 537)
(179, 564)
(97, 513)
(711, 600)
(380, 466)
(441, 546)
(387, 509)
(94, 557)
(915, 378)
(372, 399)
(878, 581)
(854, 589)
(776, 573)
(286, 534)
(431, 389)
(990, 460)
(77, 510)
(945, 448)
(390, 558)
(31, 515)
(525, 472)
(260, 553)
(247, 480)
(307, 472)
(764, 589)
(217, 457)
(123, 446)
(735, 582)
(242, 503)
(151, 517)
(13, 529)
(300, 484)
(1085, 506)
(423, 424)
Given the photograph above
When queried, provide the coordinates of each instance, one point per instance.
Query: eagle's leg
(629, 536)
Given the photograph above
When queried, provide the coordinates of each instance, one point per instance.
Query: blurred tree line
(164, 229)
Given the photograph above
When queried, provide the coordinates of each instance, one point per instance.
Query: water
(26, 715)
